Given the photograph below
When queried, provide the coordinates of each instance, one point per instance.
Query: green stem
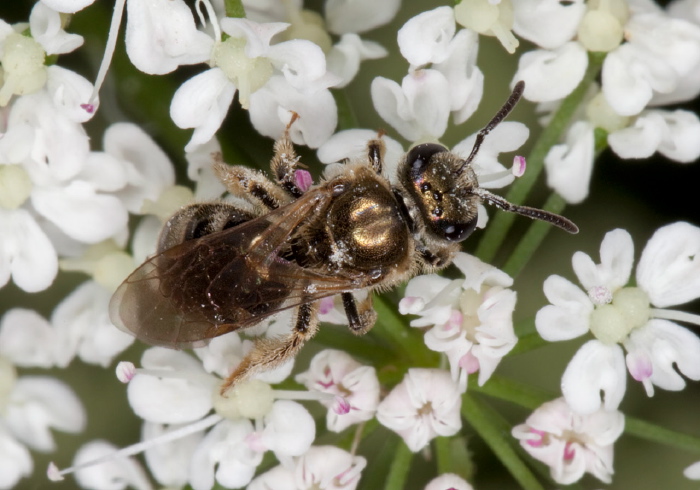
(533, 237)
(495, 431)
(662, 435)
(452, 456)
(393, 328)
(346, 114)
(400, 465)
(513, 391)
(500, 224)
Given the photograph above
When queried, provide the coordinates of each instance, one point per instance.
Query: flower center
(489, 18)
(23, 65)
(308, 25)
(15, 186)
(251, 400)
(247, 74)
(612, 323)
(601, 28)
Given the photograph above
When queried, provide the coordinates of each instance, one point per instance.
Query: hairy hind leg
(270, 353)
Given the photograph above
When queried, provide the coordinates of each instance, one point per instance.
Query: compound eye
(419, 156)
(457, 232)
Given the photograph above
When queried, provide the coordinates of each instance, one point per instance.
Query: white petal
(26, 339)
(27, 253)
(80, 212)
(170, 400)
(46, 28)
(630, 76)
(83, 327)
(669, 268)
(289, 429)
(258, 36)
(38, 404)
(552, 75)
(271, 108)
(547, 23)
(69, 92)
(465, 79)
(161, 35)
(692, 472)
(202, 103)
(352, 144)
(640, 140)
(114, 474)
(15, 461)
(681, 141)
(224, 454)
(345, 56)
(568, 316)
(148, 168)
(169, 463)
(425, 38)
(671, 349)
(616, 259)
(419, 108)
(302, 63)
(570, 165)
(595, 368)
(328, 467)
(448, 481)
(477, 273)
(359, 15)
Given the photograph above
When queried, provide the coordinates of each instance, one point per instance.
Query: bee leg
(284, 163)
(361, 316)
(375, 152)
(251, 185)
(271, 352)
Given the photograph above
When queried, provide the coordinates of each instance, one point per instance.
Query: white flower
(448, 481)
(321, 467)
(292, 72)
(657, 349)
(692, 472)
(423, 406)
(443, 77)
(569, 443)
(116, 473)
(175, 388)
(570, 164)
(335, 372)
(30, 407)
(471, 319)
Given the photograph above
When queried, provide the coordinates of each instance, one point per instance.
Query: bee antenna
(534, 213)
(500, 116)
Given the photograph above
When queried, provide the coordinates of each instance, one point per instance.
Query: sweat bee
(220, 267)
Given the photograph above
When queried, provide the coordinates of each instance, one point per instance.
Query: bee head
(443, 190)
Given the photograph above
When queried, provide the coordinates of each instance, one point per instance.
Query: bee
(222, 267)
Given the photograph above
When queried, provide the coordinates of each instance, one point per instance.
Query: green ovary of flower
(23, 67)
(251, 400)
(629, 309)
(247, 74)
(8, 378)
(310, 26)
(15, 186)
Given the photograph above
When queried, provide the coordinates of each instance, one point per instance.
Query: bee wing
(222, 282)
